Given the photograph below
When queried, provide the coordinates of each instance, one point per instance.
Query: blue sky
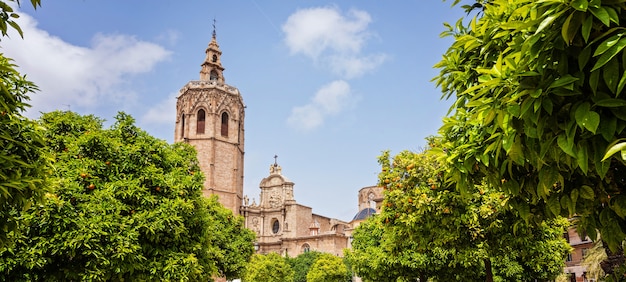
(328, 85)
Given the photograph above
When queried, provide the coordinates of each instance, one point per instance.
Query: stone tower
(210, 116)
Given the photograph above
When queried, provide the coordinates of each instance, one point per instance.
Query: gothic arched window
(224, 130)
(200, 121)
(182, 127)
(306, 248)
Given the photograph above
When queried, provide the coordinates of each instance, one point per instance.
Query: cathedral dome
(364, 214)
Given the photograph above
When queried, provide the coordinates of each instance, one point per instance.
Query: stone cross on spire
(275, 168)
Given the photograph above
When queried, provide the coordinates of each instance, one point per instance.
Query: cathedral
(210, 116)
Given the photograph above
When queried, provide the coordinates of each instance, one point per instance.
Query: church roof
(364, 213)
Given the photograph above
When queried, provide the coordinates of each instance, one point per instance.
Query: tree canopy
(538, 101)
(269, 267)
(302, 263)
(123, 206)
(328, 268)
(25, 164)
(432, 228)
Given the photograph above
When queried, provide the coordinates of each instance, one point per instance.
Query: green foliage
(25, 162)
(301, 264)
(268, 268)
(7, 15)
(373, 259)
(328, 268)
(124, 206)
(449, 236)
(25, 165)
(538, 90)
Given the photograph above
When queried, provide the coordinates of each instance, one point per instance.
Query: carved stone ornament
(275, 199)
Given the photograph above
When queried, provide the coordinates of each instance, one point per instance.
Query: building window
(182, 127)
(275, 226)
(224, 124)
(213, 75)
(569, 257)
(214, 58)
(583, 236)
(306, 248)
(200, 124)
(566, 236)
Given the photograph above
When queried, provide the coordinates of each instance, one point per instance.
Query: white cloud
(351, 67)
(333, 40)
(329, 100)
(85, 77)
(162, 113)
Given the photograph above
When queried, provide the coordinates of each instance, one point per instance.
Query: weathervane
(214, 27)
(275, 160)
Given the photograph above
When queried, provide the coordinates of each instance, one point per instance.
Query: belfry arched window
(224, 129)
(201, 117)
(214, 58)
(182, 127)
(213, 75)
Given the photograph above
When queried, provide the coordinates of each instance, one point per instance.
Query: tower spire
(212, 66)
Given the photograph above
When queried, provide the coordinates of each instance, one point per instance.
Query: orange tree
(301, 264)
(269, 267)
(538, 89)
(374, 257)
(328, 268)
(475, 234)
(123, 206)
(25, 164)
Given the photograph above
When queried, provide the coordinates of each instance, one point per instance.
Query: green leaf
(583, 58)
(566, 145)
(617, 147)
(601, 14)
(582, 158)
(611, 102)
(574, 195)
(610, 73)
(564, 80)
(594, 78)
(580, 5)
(609, 54)
(586, 118)
(586, 192)
(548, 21)
(619, 205)
(586, 28)
(554, 204)
(566, 202)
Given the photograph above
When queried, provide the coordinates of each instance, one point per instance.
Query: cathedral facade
(210, 116)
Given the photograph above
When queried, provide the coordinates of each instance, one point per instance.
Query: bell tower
(210, 116)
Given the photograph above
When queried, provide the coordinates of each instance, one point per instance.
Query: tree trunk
(423, 278)
(488, 273)
(614, 260)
